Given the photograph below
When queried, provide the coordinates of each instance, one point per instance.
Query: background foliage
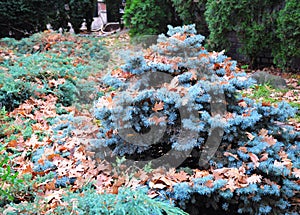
(248, 29)
(253, 21)
(24, 17)
(149, 17)
(190, 11)
(288, 32)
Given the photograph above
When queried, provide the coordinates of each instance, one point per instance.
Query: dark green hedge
(263, 28)
(149, 17)
(248, 29)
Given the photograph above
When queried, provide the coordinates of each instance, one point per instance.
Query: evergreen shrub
(178, 97)
(50, 63)
(149, 17)
(253, 22)
(126, 201)
(262, 28)
(288, 33)
(190, 11)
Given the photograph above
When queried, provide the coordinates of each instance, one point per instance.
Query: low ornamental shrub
(50, 63)
(127, 201)
(178, 97)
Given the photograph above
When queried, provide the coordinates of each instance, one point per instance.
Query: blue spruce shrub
(181, 97)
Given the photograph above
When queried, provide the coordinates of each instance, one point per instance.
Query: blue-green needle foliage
(49, 63)
(253, 134)
(127, 201)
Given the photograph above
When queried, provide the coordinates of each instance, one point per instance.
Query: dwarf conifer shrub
(127, 201)
(89, 202)
(50, 63)
(178, 97)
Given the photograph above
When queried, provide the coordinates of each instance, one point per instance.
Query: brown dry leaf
(166, 181)
(12, 144)
(242, 103)
(231, 184)
(80, 181)
(296, 172)
(253, 179)
(104, 167)
(181, 176)
(270, 140)
(264, 157)
(227, 154)
(157, 186)
(254, 159)
(242, 181)
(266, 104)
(103, 180)
(142, 175)
(152, 194)
(158, 106)
(26, 168)
(243, 149)
(209, 183)
(219, 173)
(157, 119)
(133, 183)
(55, 195)
(250, 136)
(200, 173)
(233, 173)
(77, 171)
(263, 132)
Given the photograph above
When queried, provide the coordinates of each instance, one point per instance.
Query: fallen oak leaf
(263, 132)
(158, 106)
(253, 179)
(209, 183)
(227, 154)
(200, 173)
(250, 136)
(264, 157)
(242, 103)
(296, 172)
(254, 159)
(181, 176)
(157, 119)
